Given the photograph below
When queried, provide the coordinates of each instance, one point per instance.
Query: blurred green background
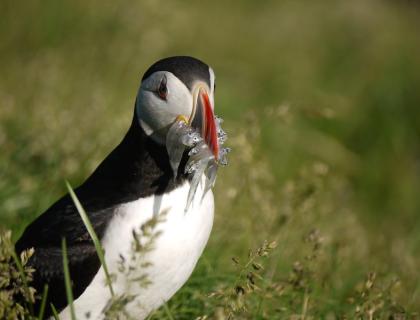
(321, 100)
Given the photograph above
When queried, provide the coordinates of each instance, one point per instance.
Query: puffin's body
(134, 184)
(180, 244)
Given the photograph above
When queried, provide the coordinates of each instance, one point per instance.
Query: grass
(43, 303)
(320, 101)
(67, 280)
(25, 284)
(55, 313)
(16, 297)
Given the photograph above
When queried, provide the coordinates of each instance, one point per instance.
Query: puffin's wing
(45, 234)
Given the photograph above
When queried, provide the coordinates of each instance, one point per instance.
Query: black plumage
(186, 69)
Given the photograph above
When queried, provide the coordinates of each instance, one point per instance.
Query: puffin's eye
(163, 89)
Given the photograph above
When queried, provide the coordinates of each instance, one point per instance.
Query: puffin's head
(178, 88)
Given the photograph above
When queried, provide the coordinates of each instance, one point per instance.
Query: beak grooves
(209, 130)
(203, 120)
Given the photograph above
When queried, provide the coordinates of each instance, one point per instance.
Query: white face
(162, 97)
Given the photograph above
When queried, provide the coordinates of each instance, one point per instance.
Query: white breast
(175, 254)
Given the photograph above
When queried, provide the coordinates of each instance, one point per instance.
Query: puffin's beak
(202, 118)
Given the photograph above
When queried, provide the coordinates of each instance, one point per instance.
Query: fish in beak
(202, 135)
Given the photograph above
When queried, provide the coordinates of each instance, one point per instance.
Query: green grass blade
(67, 281)
(54, 312)
(43, 303)
(89, 227)
(167, 311)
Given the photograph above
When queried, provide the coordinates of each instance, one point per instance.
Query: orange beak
(203, 120)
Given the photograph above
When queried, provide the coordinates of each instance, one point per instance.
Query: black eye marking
(214, 88)
(162, 91)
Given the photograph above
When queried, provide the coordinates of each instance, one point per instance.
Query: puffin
(162, 171)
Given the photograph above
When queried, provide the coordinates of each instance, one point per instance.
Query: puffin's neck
(138, 167)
